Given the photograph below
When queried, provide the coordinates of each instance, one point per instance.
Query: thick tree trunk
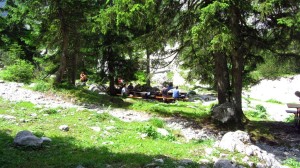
(74, 58)
(222, 78)
(237, 60)
(237, 83)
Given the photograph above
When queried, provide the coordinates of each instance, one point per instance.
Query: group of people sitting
(126, 90)
(175, 92)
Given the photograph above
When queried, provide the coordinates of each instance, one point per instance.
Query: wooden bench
(168, 99)
(296, 113)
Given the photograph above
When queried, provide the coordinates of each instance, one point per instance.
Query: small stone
(97, 129)
(162, 131)
(64, 128)
(159, 161)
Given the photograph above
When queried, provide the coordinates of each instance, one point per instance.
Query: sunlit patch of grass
(185, 109)
(274, 101)
(157, 122)
(292, 163)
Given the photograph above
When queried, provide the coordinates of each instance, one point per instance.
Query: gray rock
(64, 128)
(26, 138)
(7, 117)
(224, 113)
(239, 141)
(185, 161)
(162, 131)
(222, 163)
(46, 139)
(235, 141)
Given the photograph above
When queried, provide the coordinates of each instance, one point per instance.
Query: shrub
(21, 71)
(260, 112)
(42, 86)
(157, 122)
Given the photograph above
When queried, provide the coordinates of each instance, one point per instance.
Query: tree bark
(237, 60)
(111, 71)
(65, 43)
(222, 78)
(148, 81)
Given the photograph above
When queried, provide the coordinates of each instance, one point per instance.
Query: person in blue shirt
(176, 94)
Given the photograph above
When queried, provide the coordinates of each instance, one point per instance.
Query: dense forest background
(227, 44)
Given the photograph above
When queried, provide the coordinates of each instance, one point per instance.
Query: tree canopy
(220, 42)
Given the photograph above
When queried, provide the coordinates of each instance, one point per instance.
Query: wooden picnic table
(296, 113)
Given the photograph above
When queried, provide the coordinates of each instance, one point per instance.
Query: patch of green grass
(292, 163)
(42, 86)
(185, 109)
(157, 122)
(274, 101)
(118, 143)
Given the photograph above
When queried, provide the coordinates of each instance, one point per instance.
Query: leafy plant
(21, 71)
(290, 119)
(50, 111)
(151, 132)
(42, 86)
(259, 112)
(157, 122)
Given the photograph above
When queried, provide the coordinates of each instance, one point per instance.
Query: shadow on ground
(63, 152)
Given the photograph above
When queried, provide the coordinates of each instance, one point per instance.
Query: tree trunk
(222, 78)
(237, 60)
(237, 69)
(65, 43)
(111, 71)
(74, 58)
(148, 81)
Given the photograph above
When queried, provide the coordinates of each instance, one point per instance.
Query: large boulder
(239, 141)
(235, 141)
(224, 113)
(97, 88)
(26, 138)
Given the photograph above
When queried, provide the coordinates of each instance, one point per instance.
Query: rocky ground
(287, 139)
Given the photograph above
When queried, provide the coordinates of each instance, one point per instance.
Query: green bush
(21, 71)
(157, 122)
(260, 112)
(42, 86)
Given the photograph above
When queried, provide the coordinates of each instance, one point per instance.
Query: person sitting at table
(164, 93)
(130, 88)
(176, 93)
(124, 91)
(170, 86)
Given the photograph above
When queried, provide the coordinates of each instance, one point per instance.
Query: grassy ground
(117, 144)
